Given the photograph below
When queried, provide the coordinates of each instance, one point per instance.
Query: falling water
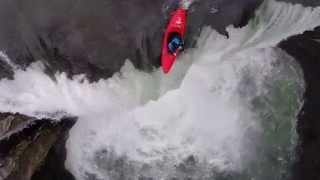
(227, 111)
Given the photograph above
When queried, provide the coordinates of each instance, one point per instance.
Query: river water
(227, 111)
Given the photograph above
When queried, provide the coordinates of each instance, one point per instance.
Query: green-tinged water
(277, 109)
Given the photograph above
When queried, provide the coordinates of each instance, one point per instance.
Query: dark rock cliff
(25, 143)
(305, 48)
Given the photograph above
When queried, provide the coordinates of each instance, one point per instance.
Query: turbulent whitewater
(227, 110)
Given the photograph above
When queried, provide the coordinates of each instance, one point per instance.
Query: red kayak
(177, 25)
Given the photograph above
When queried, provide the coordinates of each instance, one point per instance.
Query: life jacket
(175, 43)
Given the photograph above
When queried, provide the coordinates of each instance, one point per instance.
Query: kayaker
(175, 44)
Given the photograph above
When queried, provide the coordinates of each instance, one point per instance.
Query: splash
(206, 118)
(186, 3)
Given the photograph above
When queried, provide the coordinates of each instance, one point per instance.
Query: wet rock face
(305, 48)
(219, 14)
(53, 166)
(6, 71)
(79, 36)
(25, 143)
(95, 37)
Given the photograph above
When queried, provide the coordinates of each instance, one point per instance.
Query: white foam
(186, 3)
(197, 109)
